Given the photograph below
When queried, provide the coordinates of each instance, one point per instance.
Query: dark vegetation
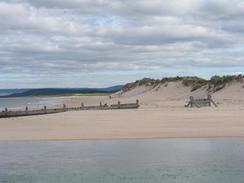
(194, 82)
(215, 83)
(11, 91)
(218, 80)
(65, 91)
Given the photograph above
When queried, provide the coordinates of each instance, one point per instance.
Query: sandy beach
(161, 115)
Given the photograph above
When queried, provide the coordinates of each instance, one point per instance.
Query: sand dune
(162, 114)
(177, 94)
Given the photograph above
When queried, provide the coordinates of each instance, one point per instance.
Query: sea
(123, 161)
(31, 102)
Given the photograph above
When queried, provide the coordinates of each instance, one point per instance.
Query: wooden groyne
(27, 112)
(204, 102)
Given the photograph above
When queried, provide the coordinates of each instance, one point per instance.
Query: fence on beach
(204, 102)
(27, 112)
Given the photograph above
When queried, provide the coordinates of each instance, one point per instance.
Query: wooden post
(211, 101)
(119, 104)
(64, 107)
(191, 101)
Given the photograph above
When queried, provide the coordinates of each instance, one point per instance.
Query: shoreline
(131, 139)
(161, 115)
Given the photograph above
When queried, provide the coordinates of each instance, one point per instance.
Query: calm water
(137, 161)
(34, 102)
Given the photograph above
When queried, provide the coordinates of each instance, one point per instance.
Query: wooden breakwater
(203, 102)
(27, 112)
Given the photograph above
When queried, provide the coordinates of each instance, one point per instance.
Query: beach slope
(162, 114)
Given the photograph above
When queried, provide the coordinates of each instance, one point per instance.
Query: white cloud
(81, 36)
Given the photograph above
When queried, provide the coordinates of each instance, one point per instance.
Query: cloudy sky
(97, 43)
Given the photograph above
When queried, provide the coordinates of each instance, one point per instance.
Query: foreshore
(165, 119)
(161, 115)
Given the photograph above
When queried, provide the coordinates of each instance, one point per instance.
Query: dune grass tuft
(216, 82)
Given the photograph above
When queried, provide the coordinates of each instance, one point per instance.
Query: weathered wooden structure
(17, 113)
(205, 102)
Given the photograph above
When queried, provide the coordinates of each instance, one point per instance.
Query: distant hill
(58, 91)
(4, 92)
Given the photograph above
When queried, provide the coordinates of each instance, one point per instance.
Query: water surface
(117, 161)
(31, 102)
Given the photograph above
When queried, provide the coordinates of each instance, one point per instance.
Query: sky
(99, 43)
